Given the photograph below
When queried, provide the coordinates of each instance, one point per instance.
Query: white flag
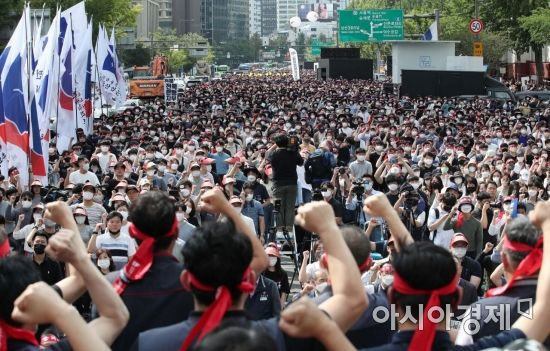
(294, 64)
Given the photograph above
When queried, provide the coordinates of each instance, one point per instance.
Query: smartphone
(514, 208)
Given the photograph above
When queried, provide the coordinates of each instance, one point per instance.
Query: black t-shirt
(283, 163)
(281, 278)
(470, 267)
(260, 192)
(336, 207)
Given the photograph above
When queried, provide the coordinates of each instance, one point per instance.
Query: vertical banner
(294, 64)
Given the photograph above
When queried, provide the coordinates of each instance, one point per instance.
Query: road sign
(370, 25)
(476, 26)
(478, 48)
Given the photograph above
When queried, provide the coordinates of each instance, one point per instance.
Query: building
(148, 20)
(165, 13)
(268, 17)
(186, 16)
(223, 20)
(286, 9)
(255, 17)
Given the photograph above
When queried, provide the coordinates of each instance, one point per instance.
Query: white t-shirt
(121, 248)
(78, 178)
(105, 160)
(442, 237)
(249, 222)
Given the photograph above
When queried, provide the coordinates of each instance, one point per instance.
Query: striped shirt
(121, 248)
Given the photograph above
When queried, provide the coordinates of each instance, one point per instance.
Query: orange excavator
(148, 82)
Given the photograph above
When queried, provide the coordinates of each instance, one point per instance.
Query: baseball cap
(235, 200)
(459, 237)
(272, 251)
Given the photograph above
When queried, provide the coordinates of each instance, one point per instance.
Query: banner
(294, 64)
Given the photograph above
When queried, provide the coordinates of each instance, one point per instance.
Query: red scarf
(5, 248)
(527, 267)
(142, 261)
(213, 315)
(423, 338)
(10, 332)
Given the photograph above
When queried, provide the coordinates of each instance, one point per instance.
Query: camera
(412, 197)
(277, 205)
(358, 188)
(293, 142)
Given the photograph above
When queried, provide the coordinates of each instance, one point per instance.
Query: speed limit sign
(476, 26)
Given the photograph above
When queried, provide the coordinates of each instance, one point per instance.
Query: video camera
(358, 188)
(412, 197)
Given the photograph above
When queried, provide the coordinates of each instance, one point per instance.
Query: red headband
(423, 338)
(140, 263)
(212, 317)
(10, 332)
(5, 248)
(362, 267)
(528, 266)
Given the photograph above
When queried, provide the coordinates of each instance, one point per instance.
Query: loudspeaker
(330, 53)
(345, 69)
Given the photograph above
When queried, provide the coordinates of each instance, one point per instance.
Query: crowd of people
(167, 228)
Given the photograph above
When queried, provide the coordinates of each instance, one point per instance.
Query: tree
(140, 56)
(504, 17)
(179, 59)
(301, 45)
(112, 13)
(10, 14)
(538, 26)
(256, 45)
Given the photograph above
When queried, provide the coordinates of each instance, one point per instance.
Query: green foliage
(179, 59)
(537, 25)
(140, 56)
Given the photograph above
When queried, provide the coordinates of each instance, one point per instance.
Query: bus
(221, 70)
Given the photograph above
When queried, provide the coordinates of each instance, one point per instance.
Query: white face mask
(458, 181)
(321, 287)
(272, 261)
(392, 187)
(387, 280)
(180, 216)
(86, 167)
(185, 192)
(459, 252)
(532, 193)
(151, 172)
(249, 197)
(219, 148)
(26, 204)
(326, 194)
(124, 215)
(36, 216)
(174, 166)
(466, 208)
(162, 168)
(251, 178)
(428, 162)
(103, 263)
(444, 170)
(361, 157)
(87, 195)
(196, 173)
(80, 219)
(415, 185)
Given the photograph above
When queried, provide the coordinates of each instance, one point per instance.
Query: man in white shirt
(236, 202)
(121, 246)
(106, 158)
(83, 175)
(438, 215)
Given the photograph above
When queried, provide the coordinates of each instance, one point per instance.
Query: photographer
(361, 190)
(412, 210)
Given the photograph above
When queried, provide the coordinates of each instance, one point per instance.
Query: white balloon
(312, 16)
(295, 22)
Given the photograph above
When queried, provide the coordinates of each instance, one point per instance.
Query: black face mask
(39, 249)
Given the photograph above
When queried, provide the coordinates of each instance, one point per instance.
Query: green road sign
(370, 25)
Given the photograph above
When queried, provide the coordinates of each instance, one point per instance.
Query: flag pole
(73, 50)
(29, 43)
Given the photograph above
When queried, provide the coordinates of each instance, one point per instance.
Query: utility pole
(436, 15)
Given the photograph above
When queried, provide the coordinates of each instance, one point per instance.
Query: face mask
(103, 263)
(132, 157)
(532, 193)
(387, 280)
(395, 170)
(39, 249)
(151, 173)
(185, 192)
(249, 197)
(496, 179)
(415, 185)
(272, 261)
(361, 157)
(444, 170)
(219, 148)
(174, 166)
(485, 174)
(326, 194)
(466, 208)
(321, 287)
(80, 219)
(86, 167)
(458, 181)
(196, 173)
(87, 195)
(428, 162)
(37, 216)
(378, 148)
(392, 187)
(458, 252)
(251, 178)
(124, 215)
(162, 169)
(26, 204)
(368, 186)
(471, 169)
